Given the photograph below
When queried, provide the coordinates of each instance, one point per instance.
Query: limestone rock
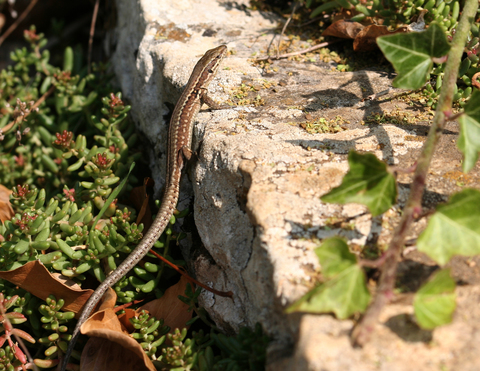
(259, 176)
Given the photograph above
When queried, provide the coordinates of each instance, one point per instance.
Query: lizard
(179, 151)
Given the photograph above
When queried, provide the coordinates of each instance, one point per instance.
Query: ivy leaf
(454, 229)
(334, 256)
(434, 303)
(469, 138)
(368, 182)
(345, 293)
(411, 54)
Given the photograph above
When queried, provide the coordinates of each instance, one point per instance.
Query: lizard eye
(210, 71)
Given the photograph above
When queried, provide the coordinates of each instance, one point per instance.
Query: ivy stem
(362, 332)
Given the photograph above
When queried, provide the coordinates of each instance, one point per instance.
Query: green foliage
(7, 358)
(191, 299)
(368, 182)
(50, 233)
(55, 322)
(454, 228)
(245, 351)
(37, 100)
(434, 303)
(149, 332)
(7, 320)
(64, 231)
(469, 66)
(469, 138)
(412, 54)
(395, 12)
(344, 291)
(181, 355)
(68, 158)
(215, 351)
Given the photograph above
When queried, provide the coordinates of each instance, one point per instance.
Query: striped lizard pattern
(179, 150)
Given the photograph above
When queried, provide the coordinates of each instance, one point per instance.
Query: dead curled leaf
(364, 36)
(139, 199)
(37, 280)
(169, 307)
(121, 352)
(366, 39)
(343, 28)
(6, 211)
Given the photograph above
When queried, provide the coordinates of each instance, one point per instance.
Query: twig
(362, 332)
(398, 169)
(285, 27)
(92, 32)
(7, 127)
(322, 45)
(67, 31)
(475, 81)
(311, 21)
(18, 21)
(377, 263)
(454, 117)
(378, 95)
(180, 270)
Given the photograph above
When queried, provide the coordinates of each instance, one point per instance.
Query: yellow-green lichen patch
(396, 117)
(323, 125)
(248, 93)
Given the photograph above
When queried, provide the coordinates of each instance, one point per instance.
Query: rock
(259, 176)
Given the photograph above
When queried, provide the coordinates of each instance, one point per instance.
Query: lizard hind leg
(186, 152)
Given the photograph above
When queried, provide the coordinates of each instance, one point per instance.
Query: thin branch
(92, 32)
(454, 117)
(377, 263)
(475, 80)
(7, 127)
(285, 26)
(362, 332)
(313, 20)
(398, 169)
(180, 270)
(322, 45)
(18, 21)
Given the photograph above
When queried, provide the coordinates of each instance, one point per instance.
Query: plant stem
(365, 327)
(18, 21)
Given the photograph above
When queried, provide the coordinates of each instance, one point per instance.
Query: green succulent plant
(67, 156)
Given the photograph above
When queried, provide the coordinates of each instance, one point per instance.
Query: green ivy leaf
(334, 256)
(345, 293)
(469, 138)
(434, 303)
(411, 54)
(454, 229)
(368, 182)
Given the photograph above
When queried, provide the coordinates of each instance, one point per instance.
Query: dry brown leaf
(66, 281)
(6, 211)
(343, 28)
(124, 318)
(2, 21)
(37, 280)
(101, 355)
(170, 307)
(108, 300)
(105, 319)
(139, 198)
(119, 352)
(366, 39)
